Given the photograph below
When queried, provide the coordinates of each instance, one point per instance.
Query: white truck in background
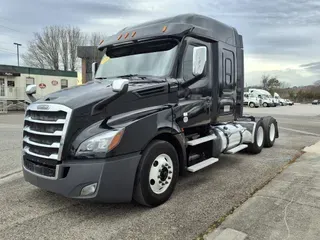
(251, 100)
(281, 101)
(264, 96)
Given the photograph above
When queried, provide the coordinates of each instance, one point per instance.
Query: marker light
(164, 29)
(101, 42)
(133, 34)
(127, 34)
(120, 36)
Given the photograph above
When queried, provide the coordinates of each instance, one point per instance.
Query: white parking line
(299, 131)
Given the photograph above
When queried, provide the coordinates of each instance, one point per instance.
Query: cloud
(278, 35)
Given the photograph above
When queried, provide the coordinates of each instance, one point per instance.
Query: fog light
(88, 190)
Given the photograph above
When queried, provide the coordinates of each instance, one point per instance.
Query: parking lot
(199, 199)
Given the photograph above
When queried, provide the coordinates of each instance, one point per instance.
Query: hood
(80, 95)
(89, 93)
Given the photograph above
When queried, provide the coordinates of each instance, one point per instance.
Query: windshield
(148, 59)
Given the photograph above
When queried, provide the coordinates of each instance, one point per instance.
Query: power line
(4, 51)
(9, 28)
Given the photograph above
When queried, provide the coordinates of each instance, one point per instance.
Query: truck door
(195, 105)
(227, 88)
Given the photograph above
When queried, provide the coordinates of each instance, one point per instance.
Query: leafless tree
(64, 48)
(54, 47)
(76, 38)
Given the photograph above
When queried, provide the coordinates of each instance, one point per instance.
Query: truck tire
(258, 144)
(269, 131)
(265, 104)
(157, 174)
(252, 105)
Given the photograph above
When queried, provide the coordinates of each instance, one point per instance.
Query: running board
(201, 140)
(237, 149)
(202, 164)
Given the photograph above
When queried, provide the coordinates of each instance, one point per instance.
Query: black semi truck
(166, 99)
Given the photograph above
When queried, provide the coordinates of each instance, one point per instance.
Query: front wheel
(157, 174)
(252, 105)
(265, 104)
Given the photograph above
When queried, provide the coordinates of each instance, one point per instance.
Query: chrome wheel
(260, 136)
(160, 175)
(272, 132)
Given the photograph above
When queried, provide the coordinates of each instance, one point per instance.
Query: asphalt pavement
(199, 200)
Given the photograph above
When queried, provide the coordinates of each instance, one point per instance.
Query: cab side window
(187, 63)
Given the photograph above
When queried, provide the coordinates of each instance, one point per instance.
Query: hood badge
(43, 107)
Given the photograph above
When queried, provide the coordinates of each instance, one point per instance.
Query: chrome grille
(44, 130)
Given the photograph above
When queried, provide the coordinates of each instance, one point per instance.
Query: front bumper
(114, 177)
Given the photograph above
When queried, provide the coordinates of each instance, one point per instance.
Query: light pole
(18, 45)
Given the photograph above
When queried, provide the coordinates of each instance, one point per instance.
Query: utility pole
(18, 45)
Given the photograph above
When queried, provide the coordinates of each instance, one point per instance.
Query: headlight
(101, 143)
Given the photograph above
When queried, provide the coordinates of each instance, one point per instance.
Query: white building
(14, 79)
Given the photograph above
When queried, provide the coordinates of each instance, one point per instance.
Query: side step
(202, 164)
(201, 140)
(237, 149)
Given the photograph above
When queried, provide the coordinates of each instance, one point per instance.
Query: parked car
(315, 102)
(290, 103)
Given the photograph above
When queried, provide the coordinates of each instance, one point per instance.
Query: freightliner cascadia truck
(166, 100)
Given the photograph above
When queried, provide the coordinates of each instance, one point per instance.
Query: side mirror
(31, 89)
(94, 69)
(199, 60)
(120, 85)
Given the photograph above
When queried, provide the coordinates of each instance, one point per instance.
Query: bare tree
(76, 38)
(64, 49)
(264, 81)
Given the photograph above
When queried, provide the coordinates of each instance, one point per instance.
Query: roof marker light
(133, 34)
(127, 34)
(101, 42)
(120, 36)
(164, 29)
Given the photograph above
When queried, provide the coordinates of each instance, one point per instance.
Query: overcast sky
(281, 37)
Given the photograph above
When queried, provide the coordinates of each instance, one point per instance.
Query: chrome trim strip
(59, 121)
(56, 133)
(52, 156)
(53, 145)
(43, 176)
(55, 108)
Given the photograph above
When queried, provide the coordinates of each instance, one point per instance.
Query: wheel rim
(272, 132)
(260, 136)
(252, 105)
(161, 173)
(264, 104)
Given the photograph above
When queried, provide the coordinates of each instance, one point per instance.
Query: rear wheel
(270, 131)
(265, 104)
(257, 146)
(157, 174)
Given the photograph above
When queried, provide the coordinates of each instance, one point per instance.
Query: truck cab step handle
(203, 164)
(236, 149)
(201, 140)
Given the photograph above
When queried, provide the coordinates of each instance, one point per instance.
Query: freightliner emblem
(43, 107)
